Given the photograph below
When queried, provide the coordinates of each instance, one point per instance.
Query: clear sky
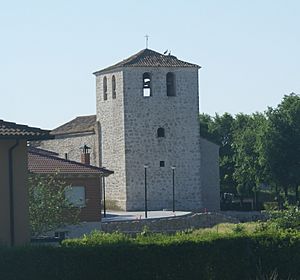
(249, 51)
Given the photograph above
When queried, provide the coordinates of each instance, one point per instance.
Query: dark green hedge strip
(231, 257)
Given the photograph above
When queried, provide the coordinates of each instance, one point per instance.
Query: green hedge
(182, 256)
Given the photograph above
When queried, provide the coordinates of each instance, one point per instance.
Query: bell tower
(148, 107)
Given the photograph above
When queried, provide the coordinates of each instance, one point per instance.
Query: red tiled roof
(10, 130)
(42, 163)
(149, 58)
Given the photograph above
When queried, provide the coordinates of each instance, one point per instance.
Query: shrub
(270, 206)
(286, 219)
(48, 207)
(239, 228)
(158, 256)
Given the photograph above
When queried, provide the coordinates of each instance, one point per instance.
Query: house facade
(14, 218)
(84, 180)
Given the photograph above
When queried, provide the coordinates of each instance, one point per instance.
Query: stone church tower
(147, 116)
(147, 111)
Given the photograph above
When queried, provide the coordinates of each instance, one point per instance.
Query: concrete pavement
(140, 215)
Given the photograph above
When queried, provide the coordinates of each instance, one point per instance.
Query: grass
(223, 230)
(228, 228)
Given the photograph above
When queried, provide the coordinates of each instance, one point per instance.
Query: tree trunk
(256, 200)
(241, 201)
(286, 192)
(297, 194)
(279, 202)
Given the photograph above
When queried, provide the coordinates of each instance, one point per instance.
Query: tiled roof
(42, 163)
(149, 58)
(10, 130)
(77, 125)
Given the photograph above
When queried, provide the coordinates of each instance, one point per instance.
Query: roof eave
(73, 133)
(71, 174)
(25, 137)
(111, 70)
(107, 70)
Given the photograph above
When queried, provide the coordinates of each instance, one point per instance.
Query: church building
(146, 129)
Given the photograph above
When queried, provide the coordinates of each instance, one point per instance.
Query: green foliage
(218, 129)
(98, 238)
(239, 228)
(48, 207)
(250, 169)
(258, 149)
(185, 255)
(281, 145)
(271, 206)
(285, 219)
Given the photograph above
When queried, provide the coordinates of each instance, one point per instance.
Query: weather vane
(147, 38)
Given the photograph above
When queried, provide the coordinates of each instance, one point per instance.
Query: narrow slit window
(170, 84)
(113, 86)
(105, 88)
(160, 132)
(146, 84)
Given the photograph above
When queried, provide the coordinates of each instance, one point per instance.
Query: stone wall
(110, 114)
(193, 221)
(247, 216)
(210, 175)
(180, 147)
(128, 137)
(125, 140)
(70, 144)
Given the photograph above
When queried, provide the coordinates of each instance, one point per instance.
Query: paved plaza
(140, 215)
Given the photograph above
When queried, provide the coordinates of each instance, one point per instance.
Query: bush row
(151, 256)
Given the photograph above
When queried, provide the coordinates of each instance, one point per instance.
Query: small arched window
(160, 132)
(170, 84)
(104, 88)
(146, 84)
(113, 87)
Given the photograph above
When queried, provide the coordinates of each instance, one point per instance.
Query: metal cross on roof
(147, 37)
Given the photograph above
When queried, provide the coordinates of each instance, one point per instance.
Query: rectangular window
(146, 84)
(162, 164)
(147, 92)
(76, 195)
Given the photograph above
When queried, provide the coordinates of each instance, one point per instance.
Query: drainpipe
(11, 193)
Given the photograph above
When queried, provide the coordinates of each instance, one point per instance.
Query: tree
(281, 145)
(48, 207)
(250, 168)
(218, 129)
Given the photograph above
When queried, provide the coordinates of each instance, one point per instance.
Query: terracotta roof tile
(42, 163)
(10, 130)
(77, 125)
(149, 58)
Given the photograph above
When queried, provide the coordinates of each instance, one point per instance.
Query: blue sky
(249, 51)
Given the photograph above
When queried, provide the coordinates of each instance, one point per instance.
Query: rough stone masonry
(129, 123)
(147, 115)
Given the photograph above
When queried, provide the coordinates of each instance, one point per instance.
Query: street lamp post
(104, 202)
(173, 187)
(146, 206)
